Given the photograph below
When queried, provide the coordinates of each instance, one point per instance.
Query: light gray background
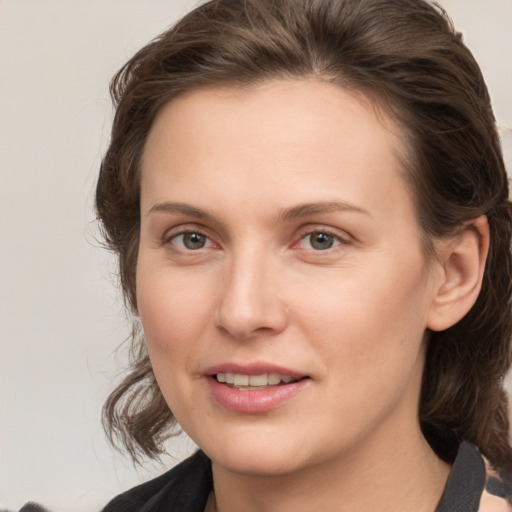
(61, 318)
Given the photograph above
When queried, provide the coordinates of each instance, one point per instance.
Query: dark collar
(466, 482)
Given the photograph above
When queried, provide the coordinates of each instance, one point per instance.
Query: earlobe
(462, 260)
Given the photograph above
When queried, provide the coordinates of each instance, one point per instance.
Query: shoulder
(184, 488)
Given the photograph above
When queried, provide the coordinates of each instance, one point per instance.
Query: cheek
(369, 323)
(169, 311)
(172, 321)
(371, 345)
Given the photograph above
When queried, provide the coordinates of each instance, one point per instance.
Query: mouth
(243, 382)
(254, 388)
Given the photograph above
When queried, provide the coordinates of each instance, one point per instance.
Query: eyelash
(331, 237)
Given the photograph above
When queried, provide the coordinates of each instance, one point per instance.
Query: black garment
(466, 482)
(186, 487)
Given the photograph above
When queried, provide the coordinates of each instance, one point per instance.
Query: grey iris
(194, 240)
(321, 241)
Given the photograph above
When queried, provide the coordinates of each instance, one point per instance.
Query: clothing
(473, 486)
(185, 488)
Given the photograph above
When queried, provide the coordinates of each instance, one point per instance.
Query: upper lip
(253, 369)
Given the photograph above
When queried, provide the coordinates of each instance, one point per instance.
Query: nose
(250, 303)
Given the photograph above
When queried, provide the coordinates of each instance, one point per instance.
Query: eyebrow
(182, 208)
(305, 209)
(294, 212)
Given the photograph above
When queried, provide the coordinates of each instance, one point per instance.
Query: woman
(311, 213)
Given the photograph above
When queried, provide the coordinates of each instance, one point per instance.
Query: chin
(256, 462)
(267, 454)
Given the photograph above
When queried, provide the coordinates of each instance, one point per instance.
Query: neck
(401, 473)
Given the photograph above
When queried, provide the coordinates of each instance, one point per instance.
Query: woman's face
(280, 280)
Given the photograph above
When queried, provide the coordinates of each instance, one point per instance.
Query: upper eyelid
(188, 232)
(167, 225)
(342, 235)
(320, 230)
(185, 228)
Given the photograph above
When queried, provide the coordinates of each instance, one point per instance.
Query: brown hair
(403, 55)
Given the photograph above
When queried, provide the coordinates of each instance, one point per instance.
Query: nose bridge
(249, 301)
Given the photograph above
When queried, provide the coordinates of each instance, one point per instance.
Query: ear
(461, 261)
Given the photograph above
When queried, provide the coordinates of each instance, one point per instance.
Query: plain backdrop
(61, 317)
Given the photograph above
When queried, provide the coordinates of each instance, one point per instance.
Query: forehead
(303, 100)
(307, 134)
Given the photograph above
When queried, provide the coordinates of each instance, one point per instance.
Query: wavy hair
(406, 58)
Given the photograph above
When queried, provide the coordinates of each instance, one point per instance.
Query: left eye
(319, 241)
(191, 240)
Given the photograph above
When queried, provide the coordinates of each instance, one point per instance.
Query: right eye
(191, 240)
(320, 241)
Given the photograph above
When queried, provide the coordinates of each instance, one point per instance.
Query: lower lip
(254, 401)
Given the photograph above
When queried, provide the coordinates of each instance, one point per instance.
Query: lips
(255, 388)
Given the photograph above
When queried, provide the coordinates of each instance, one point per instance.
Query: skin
(351, 317)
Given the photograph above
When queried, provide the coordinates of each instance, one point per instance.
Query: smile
(256, 388)
(253, 382)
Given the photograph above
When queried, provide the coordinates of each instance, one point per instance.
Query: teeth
(258, 380)
(273, 379)
(265, 379)
(241, 380)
